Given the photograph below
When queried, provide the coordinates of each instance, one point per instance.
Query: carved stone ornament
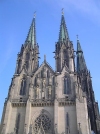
(44, 83)
(42, 111)
(44, 121)
(56, 84)
(31, 85)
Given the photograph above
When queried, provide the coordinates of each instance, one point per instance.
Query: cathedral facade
(43, 101)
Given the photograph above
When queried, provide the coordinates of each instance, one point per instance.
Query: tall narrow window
(48, 74)
(19, 66)
(17, 123)
(27, 64)
(67, 123)
(64, 54)
(27, 56)
(35, 81)
(23, 87)
(67, 85)
(67, 120)
(41, 73)
(53, 81)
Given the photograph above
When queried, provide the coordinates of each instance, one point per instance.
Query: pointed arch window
(23, 87)
(27, 56)
(41, 73)
(19, 66)
(67, 120)
(67, 85)
(64, 54)
(48, 74)
(35, 82)
(67, 123)
(17, 123)
(27, 64)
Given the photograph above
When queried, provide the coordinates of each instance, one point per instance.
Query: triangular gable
(46, 65)
(23, 71)
(65, 69)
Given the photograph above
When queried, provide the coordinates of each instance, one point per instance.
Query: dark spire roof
(81, 64)
(63, 30)
(31, 37)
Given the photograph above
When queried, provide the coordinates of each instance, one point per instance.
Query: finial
(62, 11)
(44, 58)
(34, 14)
(77, 37)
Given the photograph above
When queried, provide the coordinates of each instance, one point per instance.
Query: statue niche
(49, 92)
(38, 88)
(37, 92)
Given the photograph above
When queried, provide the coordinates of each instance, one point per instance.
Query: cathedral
(45, 101)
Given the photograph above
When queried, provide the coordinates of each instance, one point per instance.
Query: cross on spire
(77, 36)
(34, 14)
(62, 11)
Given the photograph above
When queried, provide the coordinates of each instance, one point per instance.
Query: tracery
(42, 121)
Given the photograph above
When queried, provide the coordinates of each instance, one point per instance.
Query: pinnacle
(81, 64)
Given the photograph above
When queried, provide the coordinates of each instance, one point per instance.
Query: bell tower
(27, 64)
(28, 56)
(64, 52)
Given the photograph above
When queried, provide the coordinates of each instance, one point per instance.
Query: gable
(44, 71)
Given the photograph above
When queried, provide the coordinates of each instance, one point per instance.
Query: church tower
(43, 101)
(64, 52)
(86, 82)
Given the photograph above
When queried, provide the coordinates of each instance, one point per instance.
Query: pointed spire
(31, 37)
(63, 35)
(81, 64)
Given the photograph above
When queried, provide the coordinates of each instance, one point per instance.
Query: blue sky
(82, 18)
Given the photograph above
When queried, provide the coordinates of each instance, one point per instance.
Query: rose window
(44, 121)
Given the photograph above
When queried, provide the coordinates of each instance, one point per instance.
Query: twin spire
(63, 35)
(31, 37)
